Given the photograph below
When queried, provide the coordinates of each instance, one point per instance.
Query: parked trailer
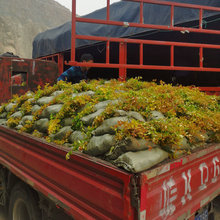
(36, 177)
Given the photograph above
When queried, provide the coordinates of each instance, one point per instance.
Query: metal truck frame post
(122, 65)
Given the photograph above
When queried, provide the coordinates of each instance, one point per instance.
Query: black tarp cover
(59, 39)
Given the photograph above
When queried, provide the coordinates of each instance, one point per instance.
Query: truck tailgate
(84, 186)
(177, 189)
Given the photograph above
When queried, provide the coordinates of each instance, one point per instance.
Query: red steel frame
(60, 60)
(211, 90)
(122, 65)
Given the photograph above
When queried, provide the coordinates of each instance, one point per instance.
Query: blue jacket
(74, 74)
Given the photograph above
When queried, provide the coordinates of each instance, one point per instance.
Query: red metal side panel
(210, 90)
(18, 67)
(177, 190)
(5, 69)
(36, 72)
(84, 186)
(42, 72)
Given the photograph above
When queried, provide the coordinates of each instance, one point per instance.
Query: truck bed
(89, 188)
(178, 189)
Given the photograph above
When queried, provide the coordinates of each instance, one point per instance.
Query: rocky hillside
(21, 21)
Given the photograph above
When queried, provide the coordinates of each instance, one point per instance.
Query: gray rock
(9, 107)
(120, 113)
(67, 145)
(104, 104)
(3, 121)
(82, 108)
(63, 133)
(52, 137)
(119, 91)
(107, 126)
(100, 145)
(100, 86)
(74, 95)
(137, 144)
(129, 144)
(19, 127)
(67, 122)
(52, 109)
(42, 125)
(114, 153)
(89, 93)
(17, 115)
(56, 93)
(184, 144)
(136, 116)
(45, 100)
(87, 120)
(35, 108)
(211, 135)
(202, 137)
(26, 118)
(77, 136)
(31, 100)
(3, 115)
(156, 115)
(29, 94)
(141, 160)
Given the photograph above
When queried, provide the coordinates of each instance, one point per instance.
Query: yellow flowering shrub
(188, 113)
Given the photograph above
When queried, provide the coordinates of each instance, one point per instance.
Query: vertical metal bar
(141, 12)
(141, 53)
(108, 10)
(125, 62)
(172, 16)
(201, 57)
(60, 63)
(10, 80)
(200, 18)
(122, 60)
(172, 55)
(107, 51)
(73, 35)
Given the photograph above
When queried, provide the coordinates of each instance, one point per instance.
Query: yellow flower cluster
(188, 113)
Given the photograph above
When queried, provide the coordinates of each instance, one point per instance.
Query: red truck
(37, 182)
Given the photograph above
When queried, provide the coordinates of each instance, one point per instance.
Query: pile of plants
(126, 123)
